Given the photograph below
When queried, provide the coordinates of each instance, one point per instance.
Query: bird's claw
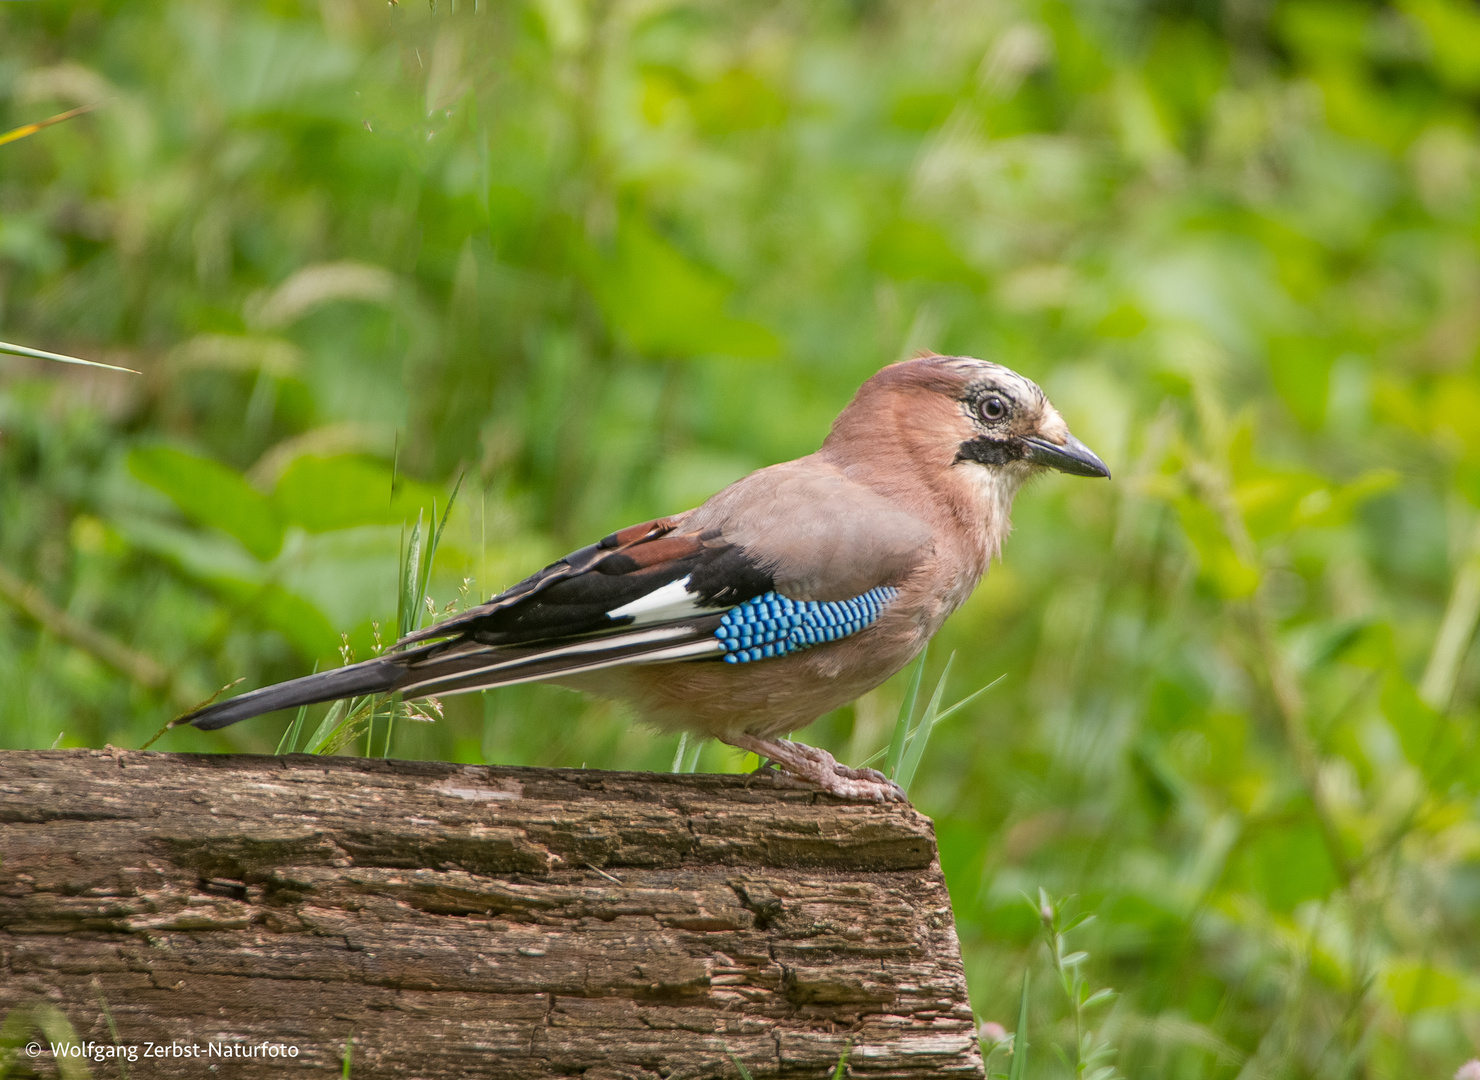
(821, 768)
(879, 790)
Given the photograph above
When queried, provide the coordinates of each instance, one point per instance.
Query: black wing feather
(551, 623)
(572, 596)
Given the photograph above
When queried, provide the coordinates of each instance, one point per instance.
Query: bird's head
(1007, 419)
(973, 412)
(986, 426)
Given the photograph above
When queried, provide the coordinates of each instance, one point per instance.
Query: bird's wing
(784, 559)
(651, 592)
(790, 557)
(658, 571)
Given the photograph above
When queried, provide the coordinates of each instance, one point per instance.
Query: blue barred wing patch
(771, 625)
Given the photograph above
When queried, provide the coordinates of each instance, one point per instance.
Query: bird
(787, 594)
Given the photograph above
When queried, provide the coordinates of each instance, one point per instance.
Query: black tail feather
(368, 677)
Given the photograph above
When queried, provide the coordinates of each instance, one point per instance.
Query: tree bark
(461, 921)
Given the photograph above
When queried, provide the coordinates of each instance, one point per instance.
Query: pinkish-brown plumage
(911, 491)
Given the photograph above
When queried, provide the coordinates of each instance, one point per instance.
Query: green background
(603, 258)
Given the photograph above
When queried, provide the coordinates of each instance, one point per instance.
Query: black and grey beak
(1073, 457)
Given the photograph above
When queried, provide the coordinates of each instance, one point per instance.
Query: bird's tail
(367, 677)
(443, 669)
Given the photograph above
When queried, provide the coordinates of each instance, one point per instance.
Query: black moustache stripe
(990, 451)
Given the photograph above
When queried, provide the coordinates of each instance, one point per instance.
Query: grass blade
(917, 743)
(406, 612)
(112, 1027)
(290, 735)
(744, 1072)
(16, 134)
(61, 358)
(683, 744)
(416, 578)
(906, 714)
(426, 580)
(969, 698)
(1020, 1037)
(325, 731)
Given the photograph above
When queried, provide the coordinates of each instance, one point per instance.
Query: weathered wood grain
(463, 921)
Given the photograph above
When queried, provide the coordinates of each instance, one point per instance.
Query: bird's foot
(821, 768)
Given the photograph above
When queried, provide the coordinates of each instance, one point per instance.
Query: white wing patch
(595, 645)
(672, 601)
(691, 651)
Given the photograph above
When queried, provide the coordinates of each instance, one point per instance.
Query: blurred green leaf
(1287, 864)
(1414, 986)
(322, 494)
(1300, 368)
(1454, 411)
(1221, 566)
(922, 110)
(1328, 30)
(211, 494)
(665, 304)
(1453, 32)
(739, 100)
(1430, 741)
(294, 617)
(913, 249)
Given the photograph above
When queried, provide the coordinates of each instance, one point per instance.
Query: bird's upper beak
(1072, 456)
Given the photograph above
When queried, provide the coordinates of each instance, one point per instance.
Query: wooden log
(462, 921)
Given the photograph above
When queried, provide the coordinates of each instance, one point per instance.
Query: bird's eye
(992, 408)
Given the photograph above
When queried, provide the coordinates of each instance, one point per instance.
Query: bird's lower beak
(1072, 457)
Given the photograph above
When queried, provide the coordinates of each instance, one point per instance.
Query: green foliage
(665, 305)
(1088, 1055)
(907, 744)
(900, 739)
(213, 495)
(1019, 1044)
(602, 259)
(22, 1024)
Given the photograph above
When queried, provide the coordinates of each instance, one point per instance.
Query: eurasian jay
(789, 593)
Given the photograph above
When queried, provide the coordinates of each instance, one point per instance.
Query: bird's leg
(820, 768)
